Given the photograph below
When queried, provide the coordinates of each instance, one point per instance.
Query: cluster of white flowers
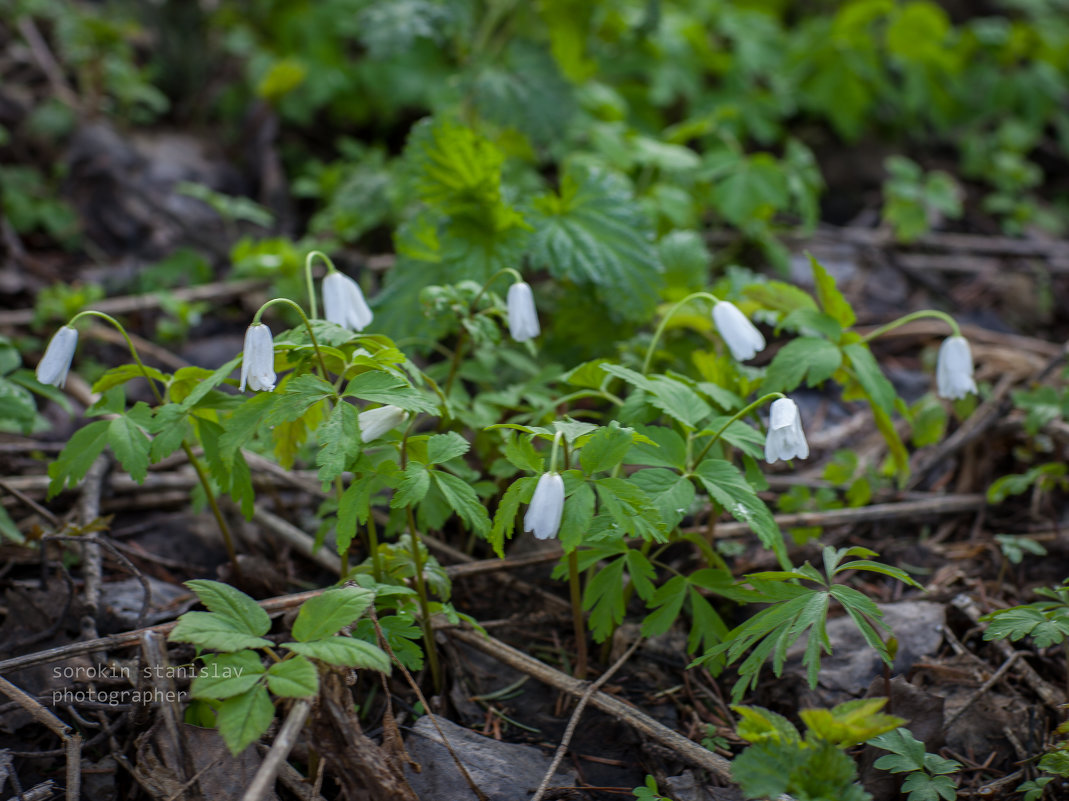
(345, 305)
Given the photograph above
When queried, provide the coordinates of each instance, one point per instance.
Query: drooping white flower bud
(740, 335)
(523, 318)
(953, 370)
(547, 505)
(258, 359)
(785, 439)
(56, 363)
(376, 422)
(343, 302)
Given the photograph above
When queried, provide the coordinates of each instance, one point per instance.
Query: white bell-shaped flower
(547, 505)
(258, 359)
(344, 304)
(740, 335)
(56, 363)
(785, 439)
(523, 318)
(376, 422)
(953, 370)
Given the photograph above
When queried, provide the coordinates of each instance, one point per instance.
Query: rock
(504, 771)
(687, 787)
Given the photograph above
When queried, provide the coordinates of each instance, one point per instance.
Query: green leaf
(462, 499)
(299, 395)
(605, 449)
(507, 508)
(760, 725)
(77, 456)
(215, 632)
(339, 441)
(764, 770)
(593, 233)
(231, 603)
(851, 722)
(673, 397)
(443, 447)
(227, 675)
(345, 652)
(667, 603)
(244, 422)
(729, 488)
(325, 614)
(668, 449)
(293, 678)
(577, 518)
(800, 357)
(520, 451)
(907, 752)
(413, 488)
(243, 719)
(130, 445)
(379, 386)
(126, 372)
(630, 508)
(755, 188)
(670, 492)
(875, 385)
(604, 597)
(830, 298)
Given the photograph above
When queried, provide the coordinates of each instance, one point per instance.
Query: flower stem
(198, 468)
(664, 322)
(373, 546)
(304, 318)
(577, 615)
(908, 318)
(738, 415)
(308, 276)
(424, 608)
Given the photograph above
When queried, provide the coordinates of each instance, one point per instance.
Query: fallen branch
(264, 779)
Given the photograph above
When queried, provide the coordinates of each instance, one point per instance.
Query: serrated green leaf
(323, 615)
(126, 372)
(293, 678)
(668, 449)
(594, 234)
(443, 447)
(805, 356)
(232, 603)
(520, 451)
(379, 386)
(462, 499)
(245, 422)
(297, 396)
(831, 299)
(413, 489)
(243, 719)
(670, 492)
(605, 449)
(215, 632)
(77, 456)
(227, 675)
(130, 445)
(673, 397)
(875, 385)
(667, 602)
(345, 652)
(755, 188)
(505, 516)
(339, 441)
(577, 517)
(604, 598)
(729, 488)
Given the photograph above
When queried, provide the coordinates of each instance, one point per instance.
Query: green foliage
(1046, 622)
(914, 200)
(779, 760)
(649, 791)
(926, 778)
(237, 678)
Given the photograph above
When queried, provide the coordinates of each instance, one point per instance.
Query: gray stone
(504, 771)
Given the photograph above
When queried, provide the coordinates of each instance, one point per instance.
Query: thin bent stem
(308, 326)
(664, 322)
(577, 615)
(373, 546)
(424, 607)
(738, 415)
(202, 475)
(908, 318)
(308, 276)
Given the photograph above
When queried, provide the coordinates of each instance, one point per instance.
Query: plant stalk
(424, 608)
(577, 615)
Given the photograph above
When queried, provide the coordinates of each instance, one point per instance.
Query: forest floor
(508, 697)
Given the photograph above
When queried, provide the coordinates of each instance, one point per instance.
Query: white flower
(344, 303)
(56, 363)
(523, 319)
(547, 505)
(785, 440)
(376, 422)
(742, 338)
(953, 371)
(258, 359)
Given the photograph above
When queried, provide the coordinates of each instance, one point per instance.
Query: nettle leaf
(222, 599)
(729, 488)
(593, 233)
(243, 719)
(325, 614)
(605, 449)
(831, 299)
(670, 492)
(805, 356)
(344, 652)
(293, 678)
(462, 499)
(227, 675)
(604, 598)
(130, 445)
(339, 441)
(77, 456)
(520, 491)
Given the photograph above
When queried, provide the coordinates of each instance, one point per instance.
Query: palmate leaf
(594, 234)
